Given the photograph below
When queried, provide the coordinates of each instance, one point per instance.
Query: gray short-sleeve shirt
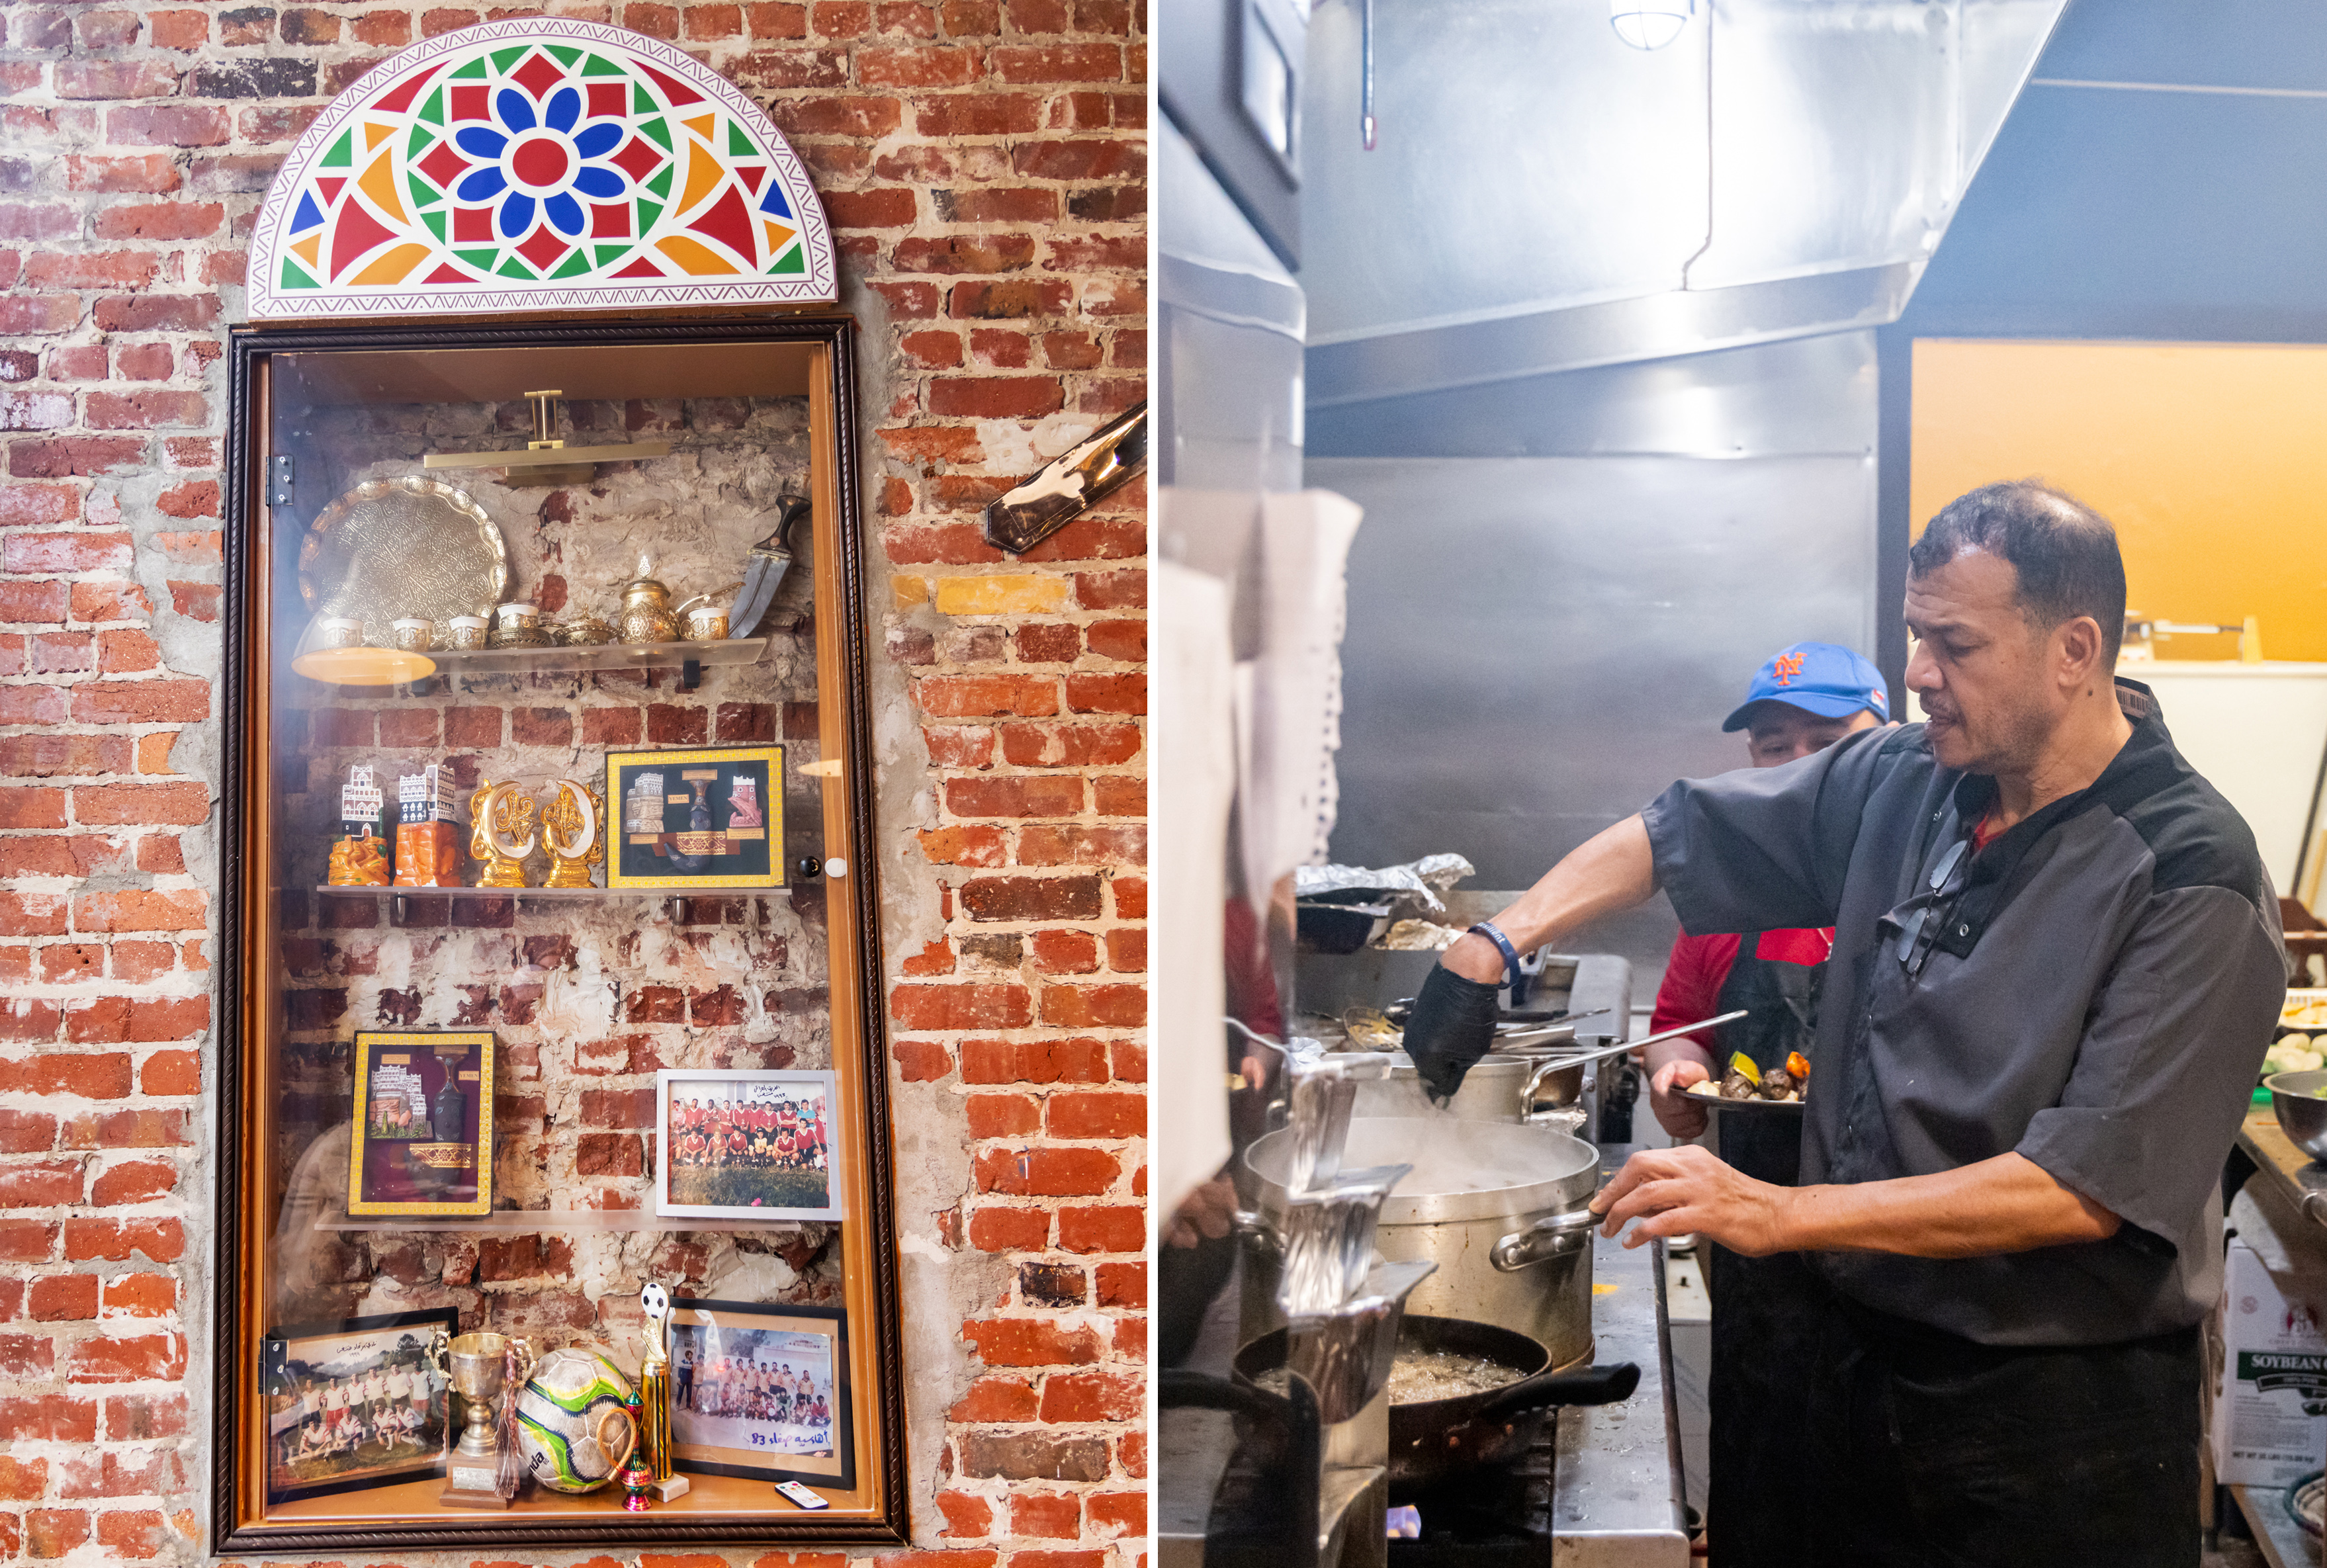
(2096, 992)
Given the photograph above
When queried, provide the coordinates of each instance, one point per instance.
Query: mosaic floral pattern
(538, 163)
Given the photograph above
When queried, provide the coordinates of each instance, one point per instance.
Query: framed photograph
(701, 817)
(423, 1124)
(761, 1390)
(353, 1403)
(739, 1144)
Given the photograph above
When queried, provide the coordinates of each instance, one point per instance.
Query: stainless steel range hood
(1545, 197)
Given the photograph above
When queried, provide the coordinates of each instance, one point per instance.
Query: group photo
(767, 1390)
(748, 1143)
(355, 1407)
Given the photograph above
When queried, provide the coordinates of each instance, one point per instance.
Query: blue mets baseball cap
(1817, 677)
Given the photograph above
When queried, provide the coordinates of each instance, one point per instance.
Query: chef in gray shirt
(2056, 965)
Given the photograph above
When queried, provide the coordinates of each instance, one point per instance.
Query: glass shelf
(533, 1221)
(605, 656)
(329, 892)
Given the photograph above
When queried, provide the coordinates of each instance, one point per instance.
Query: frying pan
(1439, 1440)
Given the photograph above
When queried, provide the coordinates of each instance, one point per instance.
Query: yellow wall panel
(2210, 458)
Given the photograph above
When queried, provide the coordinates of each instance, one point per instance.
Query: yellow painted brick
(1024, 593)
(910, 591)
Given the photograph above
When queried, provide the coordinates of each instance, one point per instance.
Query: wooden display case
(588, 991)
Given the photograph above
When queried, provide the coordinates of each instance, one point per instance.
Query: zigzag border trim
(266, 302)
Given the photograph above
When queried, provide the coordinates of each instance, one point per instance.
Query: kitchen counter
(1616, 1493)
(2292, 1176)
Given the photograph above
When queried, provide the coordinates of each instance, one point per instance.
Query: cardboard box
(2270, 1408)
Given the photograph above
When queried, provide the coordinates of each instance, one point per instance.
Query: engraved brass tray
(403, 547)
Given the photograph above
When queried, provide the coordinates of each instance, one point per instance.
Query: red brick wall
(983, 162)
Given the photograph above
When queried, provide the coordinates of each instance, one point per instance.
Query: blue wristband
(1494, 933)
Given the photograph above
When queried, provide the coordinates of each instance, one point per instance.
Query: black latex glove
(1451, 1026)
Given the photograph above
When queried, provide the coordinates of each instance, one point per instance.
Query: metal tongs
(1663, 1034)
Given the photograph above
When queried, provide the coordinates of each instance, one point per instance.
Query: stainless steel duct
(1544, 198)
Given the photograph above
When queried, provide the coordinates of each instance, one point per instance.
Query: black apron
(1765, 1310)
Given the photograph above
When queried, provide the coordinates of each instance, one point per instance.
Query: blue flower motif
(530, 163)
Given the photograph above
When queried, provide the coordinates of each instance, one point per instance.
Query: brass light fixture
(547, 460)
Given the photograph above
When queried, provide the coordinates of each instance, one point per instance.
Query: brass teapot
(646, 614)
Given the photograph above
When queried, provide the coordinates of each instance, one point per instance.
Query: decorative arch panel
(538, 163)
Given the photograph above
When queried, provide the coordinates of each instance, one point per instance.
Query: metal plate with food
(410, 547)
(2304, 1008)
(1709, 1094)
(1748, 1086)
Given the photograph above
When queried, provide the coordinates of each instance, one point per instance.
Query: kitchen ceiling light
(1650, 23)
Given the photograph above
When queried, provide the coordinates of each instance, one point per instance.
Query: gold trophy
(499, 812)
(654, 1395)
(577, 818)
(476, 1366)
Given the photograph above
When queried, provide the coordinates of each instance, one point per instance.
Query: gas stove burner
(1495, 1518)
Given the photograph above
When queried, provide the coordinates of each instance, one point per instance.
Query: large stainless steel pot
(1498, 1206)
(1501, 1088)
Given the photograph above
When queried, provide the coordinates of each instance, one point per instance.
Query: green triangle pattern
(424, 195)
(294, 279)
(513, 268)
(793, 259)
(475, 68)
(505, 58)
(435, 221)
(658, 130)
(482, 260)
(660, 183)
(432, 111)
(648, 212)
(642, 102)
(565, 56)
(575, 266)
(739, 145)
(608, 255)
(339, 156)
(595, 66)
(419, 143)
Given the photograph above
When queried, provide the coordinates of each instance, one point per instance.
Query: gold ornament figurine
(573, 831)
(499, 812)
(654, 1394)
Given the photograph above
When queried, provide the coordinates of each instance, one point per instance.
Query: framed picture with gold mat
(423, 1139)
(697, 817)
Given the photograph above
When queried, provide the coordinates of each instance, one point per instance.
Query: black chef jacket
(2099, 999)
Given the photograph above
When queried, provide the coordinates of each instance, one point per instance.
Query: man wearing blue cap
(1803, 699)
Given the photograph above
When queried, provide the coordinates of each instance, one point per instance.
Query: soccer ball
(571, 1423)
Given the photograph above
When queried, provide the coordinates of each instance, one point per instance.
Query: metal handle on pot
(1609, 1385)
(1551, 1237)
(1255, 1228)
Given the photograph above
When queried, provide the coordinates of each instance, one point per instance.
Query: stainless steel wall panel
(1801, 395)
(1231, 320)
(1538, 646)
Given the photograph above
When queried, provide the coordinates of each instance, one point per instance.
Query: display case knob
(808, 867)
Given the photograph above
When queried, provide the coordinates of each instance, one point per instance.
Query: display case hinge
(281, 472)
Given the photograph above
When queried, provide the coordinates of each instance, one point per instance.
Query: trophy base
(670, 1487)
(468, 1484)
